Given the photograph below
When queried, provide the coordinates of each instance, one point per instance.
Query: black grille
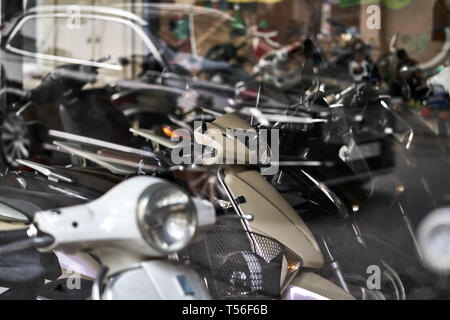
(238, 264)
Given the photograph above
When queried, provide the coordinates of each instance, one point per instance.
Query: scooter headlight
(166, 217)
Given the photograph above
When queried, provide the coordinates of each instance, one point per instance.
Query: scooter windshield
(352, 145)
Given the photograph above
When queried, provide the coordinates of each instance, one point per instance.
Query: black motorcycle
(59, 102)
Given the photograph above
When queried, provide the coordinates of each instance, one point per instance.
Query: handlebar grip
(13, 235)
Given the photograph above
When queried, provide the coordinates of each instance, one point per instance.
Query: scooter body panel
(156, 280)
(310, 286)
(273, 216)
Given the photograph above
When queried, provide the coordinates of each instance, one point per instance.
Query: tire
(15, 140)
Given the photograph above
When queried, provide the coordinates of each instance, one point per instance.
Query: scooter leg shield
(157, 280)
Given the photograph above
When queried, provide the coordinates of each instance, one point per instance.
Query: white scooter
(272, 259)
(135, 230)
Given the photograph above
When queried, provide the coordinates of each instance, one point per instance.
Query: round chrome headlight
(166, 217)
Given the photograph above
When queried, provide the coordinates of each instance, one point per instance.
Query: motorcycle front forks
(333, 263)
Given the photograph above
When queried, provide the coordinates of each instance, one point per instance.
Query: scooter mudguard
(156, 280)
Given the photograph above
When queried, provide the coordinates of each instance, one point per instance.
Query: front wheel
(15, 140)
(391, 287)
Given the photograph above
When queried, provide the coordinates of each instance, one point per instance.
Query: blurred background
(331, 22)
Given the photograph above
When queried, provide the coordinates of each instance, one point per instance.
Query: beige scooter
(250, 194)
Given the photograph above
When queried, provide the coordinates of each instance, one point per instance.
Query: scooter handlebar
(13, 235)
(18, 240)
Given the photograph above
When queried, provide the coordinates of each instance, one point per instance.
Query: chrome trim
(100, 143)
(9, 214)
(245, 219)
(114, 168)
(46, 171)
(237, 209)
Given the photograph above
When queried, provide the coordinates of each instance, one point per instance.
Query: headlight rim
(142, 203)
